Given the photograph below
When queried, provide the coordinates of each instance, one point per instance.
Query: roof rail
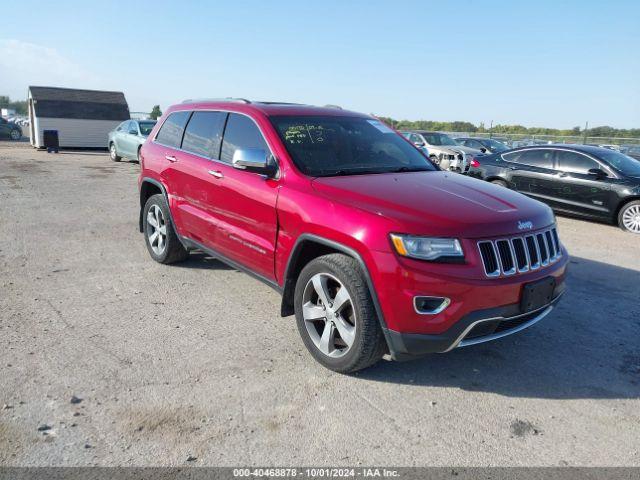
(333, 106)
(227, 99)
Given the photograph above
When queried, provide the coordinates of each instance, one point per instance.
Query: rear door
(195, 172)
(579, 192)
(532, 172)
(167, 158)
(246, 210)
(129, 140)
(120, 137)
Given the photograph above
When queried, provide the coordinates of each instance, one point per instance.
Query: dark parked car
(632, 151)
(10, 129)
(485, 145)
(581, 180)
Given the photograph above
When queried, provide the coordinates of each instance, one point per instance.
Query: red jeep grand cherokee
(372, 247)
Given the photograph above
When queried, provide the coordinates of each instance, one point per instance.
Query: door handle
(563, 174)
(171, 158)
(216, 173)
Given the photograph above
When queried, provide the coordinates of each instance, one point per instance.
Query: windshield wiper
(409, 169)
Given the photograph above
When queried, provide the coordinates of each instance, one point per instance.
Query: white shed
(83, 118)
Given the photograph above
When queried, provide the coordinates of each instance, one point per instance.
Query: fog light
(430, 305)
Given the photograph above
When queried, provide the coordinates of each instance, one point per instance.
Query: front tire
(629, 217)
(113, 153)
(15, 135)
(336, 316)
(162, 242)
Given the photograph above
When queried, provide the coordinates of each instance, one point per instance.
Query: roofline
(75, 89)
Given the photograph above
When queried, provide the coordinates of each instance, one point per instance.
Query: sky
(546, 63)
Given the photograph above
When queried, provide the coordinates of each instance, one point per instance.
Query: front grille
(509, 256)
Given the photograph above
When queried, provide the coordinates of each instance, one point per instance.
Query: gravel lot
(192, 364)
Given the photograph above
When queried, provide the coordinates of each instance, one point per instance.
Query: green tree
(20, 106)
(156, 112)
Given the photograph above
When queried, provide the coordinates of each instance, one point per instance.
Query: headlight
(428, 248)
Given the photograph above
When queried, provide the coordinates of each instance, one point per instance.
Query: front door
(246, 212)
(578, 191)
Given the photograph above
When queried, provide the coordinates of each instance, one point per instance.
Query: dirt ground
(108, 358)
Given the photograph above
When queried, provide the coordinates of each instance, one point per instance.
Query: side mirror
(597, 172)
(419, 144)
(483, 150)
(254, 160)
(133, 132)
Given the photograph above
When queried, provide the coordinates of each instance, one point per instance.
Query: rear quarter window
(170, 133)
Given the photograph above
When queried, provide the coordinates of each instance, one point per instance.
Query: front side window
(203, 133)
(534, 158)
(241, 132)
(575, 162)
(170, 133)
(121, 127)
(334, 145)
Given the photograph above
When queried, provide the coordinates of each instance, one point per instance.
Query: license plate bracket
(537, 294)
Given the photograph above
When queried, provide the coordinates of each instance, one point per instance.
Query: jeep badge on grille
(525, 225)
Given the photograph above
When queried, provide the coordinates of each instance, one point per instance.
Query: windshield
(621, 162)
(322, 146)
(439, 139)
(146, 127)
(494, 145)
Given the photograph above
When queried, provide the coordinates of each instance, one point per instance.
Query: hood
(438, 203)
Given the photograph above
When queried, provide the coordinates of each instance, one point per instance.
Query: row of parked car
(590, 181)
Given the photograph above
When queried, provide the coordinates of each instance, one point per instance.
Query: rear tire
(15, 134)
(500, 183)
(113, 153)
(163, 244)
(342, 331)
(629, 217)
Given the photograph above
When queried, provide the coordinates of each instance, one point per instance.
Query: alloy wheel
(631, 218)
(112, 151)
(329, 315)
(157, 231)
(15, 135)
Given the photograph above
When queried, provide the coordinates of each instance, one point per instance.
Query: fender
(289, 284)
(166, 197)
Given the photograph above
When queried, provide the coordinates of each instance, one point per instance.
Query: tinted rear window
(170, 133)
(535, 158)
(203, 134)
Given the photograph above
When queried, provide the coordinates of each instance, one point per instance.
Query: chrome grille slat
(520, 254)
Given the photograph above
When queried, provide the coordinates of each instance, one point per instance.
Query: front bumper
(476, 327)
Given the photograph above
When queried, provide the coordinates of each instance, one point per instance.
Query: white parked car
(443, 150)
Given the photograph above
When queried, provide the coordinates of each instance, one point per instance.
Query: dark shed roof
(54, 102)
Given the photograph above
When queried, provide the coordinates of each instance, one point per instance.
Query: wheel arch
(149, 187)
(309, 247)
(622, 203)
